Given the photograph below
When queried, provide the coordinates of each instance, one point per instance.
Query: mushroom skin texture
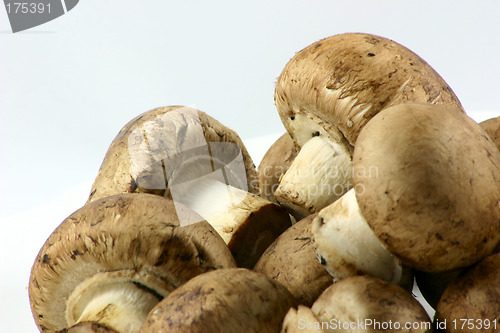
(275, 163)
(184, 154)
(225, 300)
(88, 327)
(292, 261)
(347, 246)
(473, 296)
(172, 134)
(379, 306)
(492, 127)
(427, 182)
(113, 259)
(301, 319)
(330, 90)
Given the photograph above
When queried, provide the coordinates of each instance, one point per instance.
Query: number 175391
(27, 7)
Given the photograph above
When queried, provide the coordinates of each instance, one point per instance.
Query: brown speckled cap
(366, 299)
(226, 300)
(342, 81)
(475, 295)
(152, 147)
(127, 237)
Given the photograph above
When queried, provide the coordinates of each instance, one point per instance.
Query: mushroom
(328, 92)
(292, 261)
(368, 304)
(347, 246)
(113, 259)
(88, 327)
(301, 319)
(472, 301)
(225, 300)
(492, 127)
(275, 163)
(184, 154)
(427, 182)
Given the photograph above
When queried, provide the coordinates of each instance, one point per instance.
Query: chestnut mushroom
(471, 302)
(327, 93)
(225, 300)
(292, 261)
(426, 179)
(186, 155)
(114, 259)
(274, 164)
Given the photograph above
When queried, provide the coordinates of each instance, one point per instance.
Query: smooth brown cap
(275, 163)
(427, 181)
(225, 300)
(474, 295)
(292, 261)
(361, 299)
(342, 81)
(156, 144)
(136, 237)
(492, 127)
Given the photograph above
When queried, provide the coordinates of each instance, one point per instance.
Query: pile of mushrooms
(381, 184)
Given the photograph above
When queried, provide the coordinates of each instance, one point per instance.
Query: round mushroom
(225, 300)
(112, 260)
(492, 127)
(274, 164)
(184, 154)
(292, 261)
(368, 304)
(471, 302)
(347, 246)
(427, 182)
(328, 92)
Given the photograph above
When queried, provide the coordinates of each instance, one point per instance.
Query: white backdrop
(68, 86)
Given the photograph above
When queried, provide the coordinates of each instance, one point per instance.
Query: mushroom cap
(275, 163)
(475, 295)
(427, 182)
(225, 300)
(158, 144)
(299, 320)
(360, 298)
(342, 81)
(492, 127)
(128, 237)
(88, 327)
(292, 261)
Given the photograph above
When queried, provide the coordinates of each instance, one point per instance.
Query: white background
(68, 86)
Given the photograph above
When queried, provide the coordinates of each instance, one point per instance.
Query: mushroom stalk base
(320, 174)
(122, 306)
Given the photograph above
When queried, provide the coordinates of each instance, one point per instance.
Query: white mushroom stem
(223, 206)
(320, 174)
(119, 304)
(347, 246)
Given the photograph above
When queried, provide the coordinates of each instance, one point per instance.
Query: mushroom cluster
(380, 181)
